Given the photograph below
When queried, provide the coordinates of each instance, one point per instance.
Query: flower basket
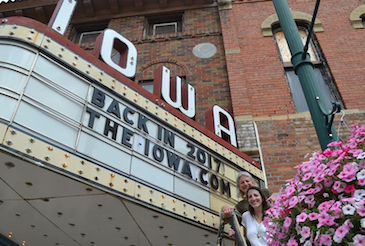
(324, 204)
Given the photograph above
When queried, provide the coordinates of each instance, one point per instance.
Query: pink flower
(325, 240)
(325, 206)
(361, 182)
(328, 182)
(301, 217)
(338, 187)
(333, 170)
(309, 199)
(287, 223)
(292, 242)
(341, 232)
(361, 211)
(359, 239)
(305, 232)
(310, 191)
(349, 188)
(312, 216)
(336, 207)
(293, 201)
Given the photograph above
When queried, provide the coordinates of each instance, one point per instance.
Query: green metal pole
(303, 67)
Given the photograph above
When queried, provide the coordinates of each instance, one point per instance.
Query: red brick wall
(259, 88)
(208, 76)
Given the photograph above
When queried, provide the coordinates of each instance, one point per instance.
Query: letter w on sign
(172, 92)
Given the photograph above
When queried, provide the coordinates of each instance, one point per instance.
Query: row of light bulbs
(10, 235)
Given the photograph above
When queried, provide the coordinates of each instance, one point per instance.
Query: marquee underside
(44, 208)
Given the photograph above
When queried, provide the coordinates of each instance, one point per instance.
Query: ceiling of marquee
(93, 10)
(42, 208)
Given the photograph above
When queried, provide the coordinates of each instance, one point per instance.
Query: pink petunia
(309, 199)
(359, 239)
(293, 201)
(341, 232)
(328, 182)
(292, 242)
(305, 232)
(361, 211)
(325, 206)
(301, 217)
(338, 186)
(287, 223)
(312, 216)
(349, 188)
(361, 182)
(325, 240)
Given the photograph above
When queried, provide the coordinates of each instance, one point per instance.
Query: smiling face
(244, 183)
(254, 198)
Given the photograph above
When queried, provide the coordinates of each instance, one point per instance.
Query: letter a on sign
(126, 56)
(221, 123)
(170, 90)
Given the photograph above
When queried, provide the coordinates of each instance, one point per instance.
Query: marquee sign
(65, 97)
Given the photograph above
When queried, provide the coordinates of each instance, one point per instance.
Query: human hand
(231, 233)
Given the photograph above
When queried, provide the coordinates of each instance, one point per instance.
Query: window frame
(78, 30)
(163, 20)
(320, 66)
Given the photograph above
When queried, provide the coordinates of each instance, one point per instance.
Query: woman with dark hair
(252, 220)
(244, 182)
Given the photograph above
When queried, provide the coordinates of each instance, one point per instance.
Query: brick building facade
(245, 76)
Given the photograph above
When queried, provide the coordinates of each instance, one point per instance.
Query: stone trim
(266, 26)
(355, 17)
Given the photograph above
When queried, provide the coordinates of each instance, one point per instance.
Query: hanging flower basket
(324, 204)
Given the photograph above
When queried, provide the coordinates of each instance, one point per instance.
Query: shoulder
(242, 206)
(246, 218)
(266, 192)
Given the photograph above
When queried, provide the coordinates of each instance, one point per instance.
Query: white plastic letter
(219, 128)
(107, 49)
(62, 15)
(165, 91)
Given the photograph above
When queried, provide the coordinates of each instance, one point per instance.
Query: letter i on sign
(62, 15)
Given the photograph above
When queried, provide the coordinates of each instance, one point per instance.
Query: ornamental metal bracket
(329, 117)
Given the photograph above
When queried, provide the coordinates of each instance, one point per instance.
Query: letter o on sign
(126, 49)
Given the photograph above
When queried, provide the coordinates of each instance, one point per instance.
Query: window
(322, 73)
(163, 24)
(147, 84)
(86, 34)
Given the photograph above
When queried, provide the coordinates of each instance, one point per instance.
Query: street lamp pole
(303, 67)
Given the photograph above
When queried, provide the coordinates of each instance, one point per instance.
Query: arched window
(357, 17)
(322, 73)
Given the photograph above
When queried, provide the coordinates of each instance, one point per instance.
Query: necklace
(257, 228)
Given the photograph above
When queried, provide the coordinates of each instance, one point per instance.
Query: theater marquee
(75, 115)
